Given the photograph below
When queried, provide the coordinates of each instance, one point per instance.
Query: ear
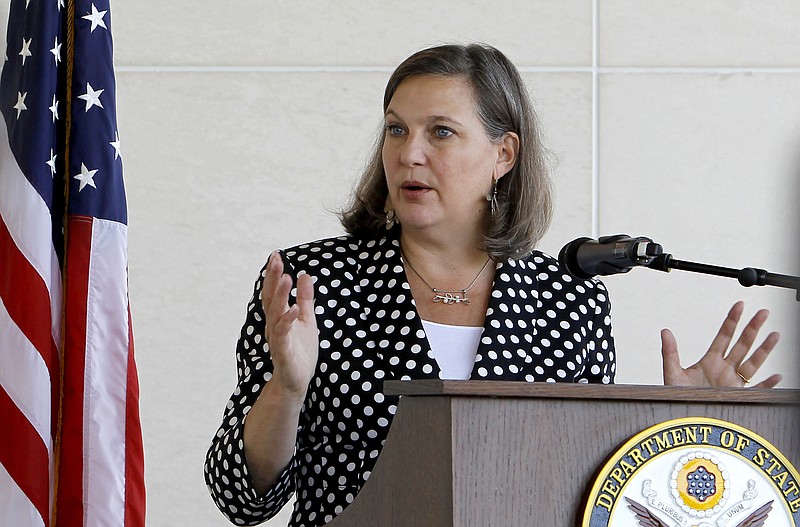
(507, 151)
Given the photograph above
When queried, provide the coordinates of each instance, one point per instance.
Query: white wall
(243, 122)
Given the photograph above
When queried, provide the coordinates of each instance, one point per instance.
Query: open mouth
(414, 186)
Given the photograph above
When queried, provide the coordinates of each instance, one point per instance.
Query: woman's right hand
(291, 332)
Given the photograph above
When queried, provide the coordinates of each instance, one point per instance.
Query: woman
(437, 278)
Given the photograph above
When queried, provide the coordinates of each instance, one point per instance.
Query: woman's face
(439, 162)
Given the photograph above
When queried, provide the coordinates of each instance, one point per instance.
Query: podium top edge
(429, 387)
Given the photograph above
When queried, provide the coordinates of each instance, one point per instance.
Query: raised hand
(270, 431)
(721, 366)
(290, 331)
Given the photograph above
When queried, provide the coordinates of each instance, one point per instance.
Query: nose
(413, 150)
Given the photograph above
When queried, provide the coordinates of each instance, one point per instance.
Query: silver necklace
(458, 296)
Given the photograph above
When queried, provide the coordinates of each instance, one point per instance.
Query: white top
(454, 348)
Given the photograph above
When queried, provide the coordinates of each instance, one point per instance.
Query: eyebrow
(432, 118)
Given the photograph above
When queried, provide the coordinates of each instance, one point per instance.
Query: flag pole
(69, 30)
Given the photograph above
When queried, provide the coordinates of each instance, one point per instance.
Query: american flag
(70, 439)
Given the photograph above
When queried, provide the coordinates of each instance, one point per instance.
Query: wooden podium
(489, 453)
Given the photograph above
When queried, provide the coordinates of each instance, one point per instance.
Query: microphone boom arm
(747, 276)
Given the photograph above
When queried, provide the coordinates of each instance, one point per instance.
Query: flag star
(26, 50)
(20, 106)
(54, 109)
(52, 163)
(86, 177)
(116, 145)
(96, 18)
(92, 97)
(60, 5)
(56, 51)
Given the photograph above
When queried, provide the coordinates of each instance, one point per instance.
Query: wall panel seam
(595, 227)
(603, 70)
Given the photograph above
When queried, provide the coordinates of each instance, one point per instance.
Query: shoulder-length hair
(524, 195)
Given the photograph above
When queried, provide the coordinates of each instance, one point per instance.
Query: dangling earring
(390, 215)
(389, 219)
(491, 197)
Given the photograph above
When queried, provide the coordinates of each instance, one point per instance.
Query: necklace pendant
(451, 297)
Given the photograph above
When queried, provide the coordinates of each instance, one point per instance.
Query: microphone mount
(585, 257)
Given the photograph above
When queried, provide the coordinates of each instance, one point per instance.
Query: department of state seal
(695, 472)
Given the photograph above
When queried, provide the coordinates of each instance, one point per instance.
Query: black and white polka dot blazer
(541, 325)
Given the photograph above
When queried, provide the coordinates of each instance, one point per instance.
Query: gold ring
(744, 379)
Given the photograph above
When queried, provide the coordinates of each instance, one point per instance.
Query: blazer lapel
(393, 328)
(507, 346)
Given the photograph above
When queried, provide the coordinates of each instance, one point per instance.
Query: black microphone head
(568, 258)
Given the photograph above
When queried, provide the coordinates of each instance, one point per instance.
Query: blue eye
(394, 130)
(442, 132)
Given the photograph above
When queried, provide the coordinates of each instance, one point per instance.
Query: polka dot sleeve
(600, 365)
(226, 472)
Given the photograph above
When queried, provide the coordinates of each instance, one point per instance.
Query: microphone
(586, 258)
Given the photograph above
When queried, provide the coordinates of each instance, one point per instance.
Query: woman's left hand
(721, 366)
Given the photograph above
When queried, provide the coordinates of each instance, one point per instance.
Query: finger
(271, 279)
(305, 297)
(742, 347)
(725, 334)
(280, 338)
(749, 367)
(770, 382)
(269, 287)
(284, 323)
(278, 305)
(671, 361)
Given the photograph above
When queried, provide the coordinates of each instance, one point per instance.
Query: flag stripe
(17, 353)
(134, 454)
(106, 383)
(22, 451)
(27, 300)
(71, 484)
(17, 509)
